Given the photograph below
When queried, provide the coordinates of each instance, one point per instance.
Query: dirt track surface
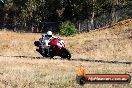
(103, 51)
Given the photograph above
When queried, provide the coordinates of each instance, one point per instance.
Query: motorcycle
(56, 48)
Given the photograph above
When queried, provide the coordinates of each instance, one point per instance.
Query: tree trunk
(113, 15)
(79, 26)
(92, 18)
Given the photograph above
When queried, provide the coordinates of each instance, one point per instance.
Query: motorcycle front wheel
(65, 54)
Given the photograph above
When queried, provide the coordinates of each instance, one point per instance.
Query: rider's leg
(47, 47)
(47, 50)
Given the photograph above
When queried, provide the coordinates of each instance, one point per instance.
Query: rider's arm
(46, 41)
(54, 37)
(41, 41)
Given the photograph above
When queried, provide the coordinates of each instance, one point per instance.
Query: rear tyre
(65, 54)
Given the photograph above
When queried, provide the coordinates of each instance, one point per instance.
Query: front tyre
(65, 54)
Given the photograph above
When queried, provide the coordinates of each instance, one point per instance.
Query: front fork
(45, 52)
(42, 51)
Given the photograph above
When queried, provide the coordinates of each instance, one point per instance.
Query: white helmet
(49, 33)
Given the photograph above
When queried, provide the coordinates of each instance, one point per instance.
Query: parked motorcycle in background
(57, 48)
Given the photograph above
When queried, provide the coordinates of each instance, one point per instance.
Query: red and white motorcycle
(57, 48)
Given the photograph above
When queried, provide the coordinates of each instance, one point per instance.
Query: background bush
(68, 29)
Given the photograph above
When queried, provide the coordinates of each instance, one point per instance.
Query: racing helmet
(49, 34)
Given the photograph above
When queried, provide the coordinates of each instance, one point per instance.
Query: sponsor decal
(83, 78)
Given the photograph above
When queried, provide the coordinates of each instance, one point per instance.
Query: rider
(46, 39)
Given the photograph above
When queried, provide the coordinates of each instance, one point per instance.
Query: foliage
(67, 29)
(35, 11)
